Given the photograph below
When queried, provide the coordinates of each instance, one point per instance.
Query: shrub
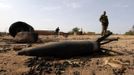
(129, 33)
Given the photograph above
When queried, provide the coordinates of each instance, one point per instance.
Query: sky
(67, 14)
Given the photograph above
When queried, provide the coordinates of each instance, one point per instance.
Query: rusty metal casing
(63, 49)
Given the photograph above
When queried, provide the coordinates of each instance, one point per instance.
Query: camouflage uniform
(104, 21)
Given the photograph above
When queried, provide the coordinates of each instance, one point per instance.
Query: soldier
(57, 31)
(104, 21)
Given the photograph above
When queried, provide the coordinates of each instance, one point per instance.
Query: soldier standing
(57, 31)
(104, 21)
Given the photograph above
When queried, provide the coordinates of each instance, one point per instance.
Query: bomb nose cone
(22, 53)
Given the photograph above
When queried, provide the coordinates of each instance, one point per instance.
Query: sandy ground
(96, 64)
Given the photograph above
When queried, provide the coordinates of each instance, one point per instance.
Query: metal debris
(23, 32)
(41, 66)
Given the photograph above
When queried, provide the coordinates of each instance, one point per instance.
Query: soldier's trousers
(104, 29)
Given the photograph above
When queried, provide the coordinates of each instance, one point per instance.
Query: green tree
(76, 29)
